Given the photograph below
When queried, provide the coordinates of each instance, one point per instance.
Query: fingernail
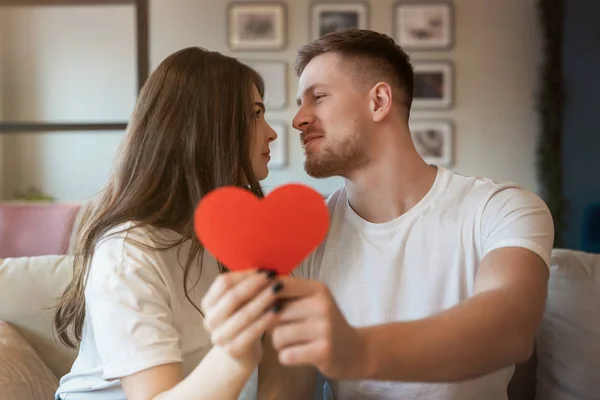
(277, 287)
(276, 307)
(270, 273)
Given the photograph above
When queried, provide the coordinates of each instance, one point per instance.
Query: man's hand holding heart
(305, 324)
(311, 330)
(276, 233)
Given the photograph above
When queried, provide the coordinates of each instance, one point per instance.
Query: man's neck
(391, 185)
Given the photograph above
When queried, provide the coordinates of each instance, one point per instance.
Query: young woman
(133, 305)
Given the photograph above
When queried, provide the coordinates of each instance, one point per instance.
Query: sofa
(35, 228)
(566, 364)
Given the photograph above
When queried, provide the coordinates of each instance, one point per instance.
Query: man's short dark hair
(376, 57)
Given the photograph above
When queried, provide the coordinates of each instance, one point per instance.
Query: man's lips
(309, 138)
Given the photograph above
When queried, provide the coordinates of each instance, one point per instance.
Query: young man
(430, 284)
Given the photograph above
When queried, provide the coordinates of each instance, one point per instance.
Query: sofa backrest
(35, 229)
(568, 345)
(29, 287)
(568, 342)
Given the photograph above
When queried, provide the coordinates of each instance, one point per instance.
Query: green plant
(33, 194)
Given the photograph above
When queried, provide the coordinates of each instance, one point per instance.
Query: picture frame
(279, 147)
(434, 141)
(433, 85)
(142, 53)
(328, 16)
(256, 26)
(275, 76)
(424, 25)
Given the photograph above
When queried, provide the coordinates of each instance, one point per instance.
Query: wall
(581, 133)
(496, 57)
(59, 68)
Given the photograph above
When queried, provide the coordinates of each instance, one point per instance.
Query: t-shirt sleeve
(128, 304)
(515, 217)
(309, 268)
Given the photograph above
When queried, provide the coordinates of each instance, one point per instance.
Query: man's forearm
(276, 381)
(479, 336)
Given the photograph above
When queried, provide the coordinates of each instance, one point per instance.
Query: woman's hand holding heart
(305, 324)
(238, 308)
(242, 231)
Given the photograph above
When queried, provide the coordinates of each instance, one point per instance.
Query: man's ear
(380, 101)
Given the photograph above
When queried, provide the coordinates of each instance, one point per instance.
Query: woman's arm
(275, 381)
(218, 376)
(237, 332)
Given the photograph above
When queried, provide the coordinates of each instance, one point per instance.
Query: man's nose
(301, 120)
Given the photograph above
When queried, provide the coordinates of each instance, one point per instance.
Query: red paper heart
(277, 232)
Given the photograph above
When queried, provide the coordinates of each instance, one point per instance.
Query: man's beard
(337, 159)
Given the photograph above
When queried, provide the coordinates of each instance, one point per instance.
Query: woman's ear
(380, 101)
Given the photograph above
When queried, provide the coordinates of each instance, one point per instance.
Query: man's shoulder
(472, 197)
(336, 195)
(479, 189)
(307, 267)
(336, 199)
(474, 183)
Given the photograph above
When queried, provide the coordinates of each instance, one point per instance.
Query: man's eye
(318, 97)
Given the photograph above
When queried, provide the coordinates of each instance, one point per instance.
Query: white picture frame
(434, 141)
(424, 25)
(275, 76)
(256, 26)
(433, 85)
(329, 17)
(279, 147)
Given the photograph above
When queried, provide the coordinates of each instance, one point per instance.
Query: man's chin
(318, 171)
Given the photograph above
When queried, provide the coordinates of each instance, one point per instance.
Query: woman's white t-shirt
(137, 315)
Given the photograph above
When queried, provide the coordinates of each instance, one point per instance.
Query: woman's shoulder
(135, 234)
(132, 245)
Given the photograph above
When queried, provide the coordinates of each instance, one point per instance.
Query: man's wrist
(367, 362)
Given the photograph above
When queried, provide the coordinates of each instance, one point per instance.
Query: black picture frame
(352, 5)
(277, 45)
(448, 6)
(434, 84)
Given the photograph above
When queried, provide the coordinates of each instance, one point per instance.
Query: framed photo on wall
(434, 141)
(434, 85)
(327, 17)
(274, 73)
(424, 25)
(256, 26)
(278, 147)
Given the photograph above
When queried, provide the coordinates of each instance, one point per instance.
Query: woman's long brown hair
(190, 132)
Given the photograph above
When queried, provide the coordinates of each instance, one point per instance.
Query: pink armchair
(34, 229)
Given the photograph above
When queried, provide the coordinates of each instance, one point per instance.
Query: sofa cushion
(29, 288)
(568, 344)
(23, 374)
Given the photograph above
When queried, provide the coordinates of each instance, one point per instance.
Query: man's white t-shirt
(137, 314)
(424, 262)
